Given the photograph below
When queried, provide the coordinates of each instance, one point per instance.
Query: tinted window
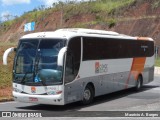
(106, 48)
(73, 59)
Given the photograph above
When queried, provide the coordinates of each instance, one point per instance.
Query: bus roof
(67, 33)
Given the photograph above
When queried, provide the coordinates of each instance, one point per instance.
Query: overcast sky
(18, 7)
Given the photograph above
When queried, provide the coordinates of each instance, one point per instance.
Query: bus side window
(73, 59)
(69, 74)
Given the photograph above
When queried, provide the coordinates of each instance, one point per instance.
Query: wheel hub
(87, 94)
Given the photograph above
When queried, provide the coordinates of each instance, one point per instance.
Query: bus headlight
(51, 93)
(54, 92)
(17, 90)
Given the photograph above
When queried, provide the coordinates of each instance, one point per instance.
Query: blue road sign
(29, 26)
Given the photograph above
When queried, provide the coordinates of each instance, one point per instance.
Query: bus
(76, 64)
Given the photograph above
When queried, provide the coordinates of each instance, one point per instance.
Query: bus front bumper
(39, 99)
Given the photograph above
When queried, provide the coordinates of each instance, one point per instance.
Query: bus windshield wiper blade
(37, 66)
(23, 79)
(37, 69)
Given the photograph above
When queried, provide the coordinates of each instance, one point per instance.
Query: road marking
(145, 107)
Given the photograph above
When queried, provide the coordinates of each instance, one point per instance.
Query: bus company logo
(100, 68)
(33, 89)
(97, 67)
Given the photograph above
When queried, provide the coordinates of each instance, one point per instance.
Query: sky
(18, 7)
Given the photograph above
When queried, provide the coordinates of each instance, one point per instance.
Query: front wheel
(138, 83)
(88, 95)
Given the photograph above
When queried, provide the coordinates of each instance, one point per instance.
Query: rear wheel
(88, 95)
(138, 83)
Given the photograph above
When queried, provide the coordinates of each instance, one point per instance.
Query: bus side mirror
(6, 53)
(61, 56)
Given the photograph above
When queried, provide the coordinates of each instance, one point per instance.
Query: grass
(100, 7)
(6, 73)
(6, 70)
(156, 4)
(7, 44)
(35, 15)
(109, 5)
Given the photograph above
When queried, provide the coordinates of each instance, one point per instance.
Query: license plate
(32, 99)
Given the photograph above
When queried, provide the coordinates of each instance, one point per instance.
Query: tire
(138, 83)
(88, 95)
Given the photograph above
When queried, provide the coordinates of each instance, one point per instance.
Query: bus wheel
(138, 83)
(88, 95)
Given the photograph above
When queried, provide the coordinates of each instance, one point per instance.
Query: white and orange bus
(70, 65)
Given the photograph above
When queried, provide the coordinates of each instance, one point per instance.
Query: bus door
(73, 58)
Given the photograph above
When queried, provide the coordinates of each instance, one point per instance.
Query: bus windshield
(36, 62)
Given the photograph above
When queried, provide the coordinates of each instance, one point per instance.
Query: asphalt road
(147, 99)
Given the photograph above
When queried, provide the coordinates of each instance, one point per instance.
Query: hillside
(131, 17)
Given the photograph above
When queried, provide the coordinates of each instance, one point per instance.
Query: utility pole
(61, 17)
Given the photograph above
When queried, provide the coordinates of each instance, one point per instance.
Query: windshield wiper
(37, 69)
(23, 79)
(36, 66)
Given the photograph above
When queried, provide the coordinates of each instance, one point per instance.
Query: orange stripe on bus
(137, 65)
(136, 69)
(142, 38)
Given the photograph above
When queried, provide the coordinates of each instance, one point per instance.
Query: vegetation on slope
(102, 8)
(6, 73)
